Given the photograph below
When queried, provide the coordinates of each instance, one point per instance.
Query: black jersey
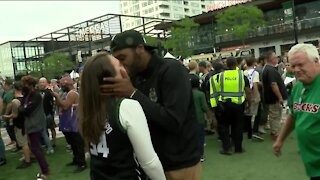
(113, 157)
(19, 120)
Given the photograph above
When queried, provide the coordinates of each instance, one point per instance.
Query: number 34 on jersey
(102, 146)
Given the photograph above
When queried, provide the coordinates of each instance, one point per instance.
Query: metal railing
(273, 29)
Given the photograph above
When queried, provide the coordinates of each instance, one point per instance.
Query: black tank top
(113, 158)
(19, 120)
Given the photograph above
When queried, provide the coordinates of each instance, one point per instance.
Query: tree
(240, 20)
(53, 66)
(181, 38)
(152, 41)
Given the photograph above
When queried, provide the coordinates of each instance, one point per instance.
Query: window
(136, 14)
(193, 4)
(165, 14)
(177, 16)
(136, 7)
(177, 1)
(144, 4)
(177, 8)
(164, 6)
(194, 11)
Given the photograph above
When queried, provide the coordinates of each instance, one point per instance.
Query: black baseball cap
(128, 39)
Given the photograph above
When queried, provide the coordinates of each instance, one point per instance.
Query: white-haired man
(304, 114)
(48, 106)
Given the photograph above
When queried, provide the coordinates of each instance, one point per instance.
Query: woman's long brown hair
(92, 106)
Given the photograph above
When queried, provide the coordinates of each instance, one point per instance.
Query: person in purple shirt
(69, 122)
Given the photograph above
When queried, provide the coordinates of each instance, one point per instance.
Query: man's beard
(65, 89)
(134, 69)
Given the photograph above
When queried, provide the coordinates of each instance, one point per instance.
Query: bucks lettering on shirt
(306, 107)
(113, 157)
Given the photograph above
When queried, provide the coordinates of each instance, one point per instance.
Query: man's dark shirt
(48, 102)
(164, 92)
(271, 75)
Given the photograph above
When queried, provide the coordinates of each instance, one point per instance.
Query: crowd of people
(141, 116)
(242, 91)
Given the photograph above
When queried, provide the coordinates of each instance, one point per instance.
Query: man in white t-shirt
(252, 110)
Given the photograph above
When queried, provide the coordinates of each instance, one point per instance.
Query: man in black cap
(163, 89)
(234, 89)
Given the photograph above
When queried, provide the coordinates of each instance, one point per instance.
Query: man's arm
(204, 105)
(276, 91)
(1, 105)
(274, 86)
(14, 112)
(67, 104)
(175, 89)
(51, 100)
(285, 131)
(247, 90)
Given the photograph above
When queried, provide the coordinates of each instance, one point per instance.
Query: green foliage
(34, 68)
(52, 66)
(152, 41)
(240, 20)
(181, 36)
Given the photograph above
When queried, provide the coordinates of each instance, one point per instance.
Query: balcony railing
(274, 29)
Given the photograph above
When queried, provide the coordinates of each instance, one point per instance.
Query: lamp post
(295, 32)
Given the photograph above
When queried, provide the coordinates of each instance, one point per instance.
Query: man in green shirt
(201, 109)
(6, 108)
(304, 106)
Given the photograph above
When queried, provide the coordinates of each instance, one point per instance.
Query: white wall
(6, 64)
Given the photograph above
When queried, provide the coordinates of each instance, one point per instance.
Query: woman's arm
(133, 120)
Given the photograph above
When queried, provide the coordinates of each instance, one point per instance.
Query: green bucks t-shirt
(305, 105)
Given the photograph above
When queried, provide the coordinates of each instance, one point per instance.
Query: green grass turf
(257, 163)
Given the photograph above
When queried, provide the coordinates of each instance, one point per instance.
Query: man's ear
(140, 49)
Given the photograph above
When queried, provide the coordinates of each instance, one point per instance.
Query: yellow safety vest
(232, 86)
(214, 90)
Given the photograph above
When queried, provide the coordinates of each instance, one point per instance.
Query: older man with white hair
(304, 114)
(48, 106)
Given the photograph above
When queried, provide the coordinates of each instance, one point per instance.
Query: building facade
(12, 57)
(277, 34)
(163, 9)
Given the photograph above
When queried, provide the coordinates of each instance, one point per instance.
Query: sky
(25, 20)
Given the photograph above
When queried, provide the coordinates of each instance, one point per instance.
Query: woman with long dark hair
(115, 128)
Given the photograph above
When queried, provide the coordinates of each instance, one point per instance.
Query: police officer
(231, 89)
(212, 87)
